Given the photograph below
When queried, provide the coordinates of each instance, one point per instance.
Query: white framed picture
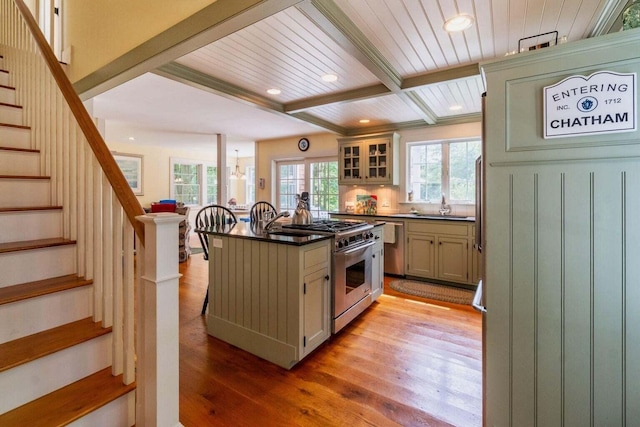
(131, 166)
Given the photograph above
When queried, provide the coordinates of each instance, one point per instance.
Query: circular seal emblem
(588, 103)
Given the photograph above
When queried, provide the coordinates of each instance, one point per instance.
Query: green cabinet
(377, 264)
(439, 250)
(369, 159)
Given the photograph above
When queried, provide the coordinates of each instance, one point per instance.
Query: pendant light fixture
(236, 174)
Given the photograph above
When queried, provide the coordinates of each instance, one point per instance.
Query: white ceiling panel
(381, 110)
(390, 57)
(285, 51)
(463, 93)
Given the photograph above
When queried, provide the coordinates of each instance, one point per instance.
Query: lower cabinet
(316, 300)
(420, 255)
(270, 299)
(438, 250)
(377, 264)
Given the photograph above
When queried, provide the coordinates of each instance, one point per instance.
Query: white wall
(156, 167)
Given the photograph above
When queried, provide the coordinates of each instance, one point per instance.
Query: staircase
(56, 361)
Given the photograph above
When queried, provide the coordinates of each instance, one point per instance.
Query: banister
(121, 188)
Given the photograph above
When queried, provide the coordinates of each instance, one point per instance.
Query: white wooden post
(157, 342)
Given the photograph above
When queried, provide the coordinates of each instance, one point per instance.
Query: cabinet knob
(326, 277)
(374, 255)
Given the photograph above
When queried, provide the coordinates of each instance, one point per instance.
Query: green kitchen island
(269, 294)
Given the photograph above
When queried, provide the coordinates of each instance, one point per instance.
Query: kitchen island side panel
(562, 244)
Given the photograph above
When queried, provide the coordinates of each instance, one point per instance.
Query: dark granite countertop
(244, 230)
(407, 216)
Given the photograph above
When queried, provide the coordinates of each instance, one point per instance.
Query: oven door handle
(359, 248)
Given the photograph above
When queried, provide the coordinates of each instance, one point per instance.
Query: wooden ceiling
(396, 65)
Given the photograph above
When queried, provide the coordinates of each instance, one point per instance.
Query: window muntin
(445, 167)
(317, 176)
(194, 183)
(186, 183)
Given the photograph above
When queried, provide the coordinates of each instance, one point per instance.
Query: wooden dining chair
(216, 217)
(258, 209)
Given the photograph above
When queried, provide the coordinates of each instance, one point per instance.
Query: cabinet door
(453, 259)
(377, 266)
(351, 163)
(378, 161)
(316, 322)
(420, 255)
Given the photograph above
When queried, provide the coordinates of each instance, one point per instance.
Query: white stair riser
(36, 264)
(7, 95)
(30, 225)
(28, 317)
(4, 78)
(10, 115)
(19, 163)
(20, 193)
(32, 380)
(116, 413)
(11, 137)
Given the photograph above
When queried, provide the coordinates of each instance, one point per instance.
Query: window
(194, 182)
(250, 172)
(317, 176)
(448, 168)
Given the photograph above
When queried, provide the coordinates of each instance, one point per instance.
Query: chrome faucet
(269, 224)
(445, 209)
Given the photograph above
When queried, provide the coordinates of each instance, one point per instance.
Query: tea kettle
(302, 215)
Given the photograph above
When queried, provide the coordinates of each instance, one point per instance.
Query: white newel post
(157, 342)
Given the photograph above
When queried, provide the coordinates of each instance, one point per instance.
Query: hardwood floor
(403, 362)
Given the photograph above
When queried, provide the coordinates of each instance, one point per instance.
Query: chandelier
(236, 174)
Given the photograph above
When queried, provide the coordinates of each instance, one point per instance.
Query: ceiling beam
(440, 76)
(610, 20)
(337, 25)
(211, 23)
(332, 98)
(194, 78)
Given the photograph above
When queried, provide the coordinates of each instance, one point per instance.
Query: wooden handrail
(128, 200)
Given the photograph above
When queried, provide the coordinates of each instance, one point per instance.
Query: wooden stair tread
(24, 177)
(69, 403)
(30, 208)
(24, 291)
(23, 350)
(4, 104)
(34, 244)
(9, 125)
(22, 150)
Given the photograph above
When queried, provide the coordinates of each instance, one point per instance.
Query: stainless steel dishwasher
(394, 248)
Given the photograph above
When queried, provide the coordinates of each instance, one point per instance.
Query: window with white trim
(194, 183)
(319, 177)
(443, 167)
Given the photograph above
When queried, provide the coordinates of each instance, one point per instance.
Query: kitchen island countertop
(243, 230)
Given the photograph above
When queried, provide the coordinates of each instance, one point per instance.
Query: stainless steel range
(351, 266)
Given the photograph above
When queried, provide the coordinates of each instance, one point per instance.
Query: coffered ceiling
(395, 64)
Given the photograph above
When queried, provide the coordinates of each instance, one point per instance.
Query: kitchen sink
(435, 216)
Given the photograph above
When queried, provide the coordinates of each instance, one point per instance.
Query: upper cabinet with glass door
(371, 159)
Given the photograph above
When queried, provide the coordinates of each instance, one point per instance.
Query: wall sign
(604, 102)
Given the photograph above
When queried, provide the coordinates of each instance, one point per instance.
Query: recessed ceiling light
(458, 23)
(365, 121)
(131, 138)
(329, 77)
(274, 91)
(455, 107)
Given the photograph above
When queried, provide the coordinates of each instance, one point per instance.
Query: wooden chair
(258, 209)
(211, 216)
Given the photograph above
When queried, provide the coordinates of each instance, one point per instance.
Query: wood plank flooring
(404, 362)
